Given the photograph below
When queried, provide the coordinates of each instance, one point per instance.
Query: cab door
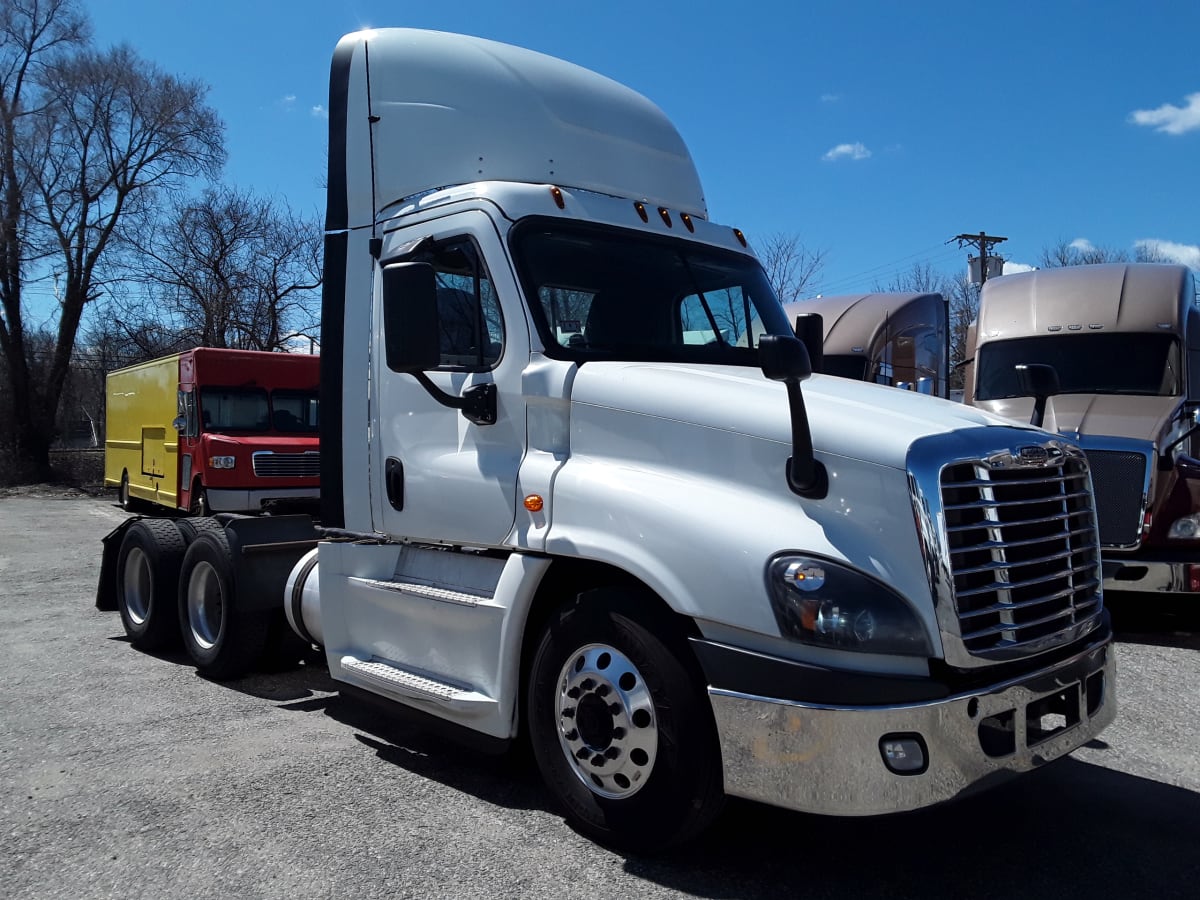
(437, 476)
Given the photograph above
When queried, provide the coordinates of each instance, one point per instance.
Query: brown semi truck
(1124, 340)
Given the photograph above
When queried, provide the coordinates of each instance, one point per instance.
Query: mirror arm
(806, 475)
(478, 404)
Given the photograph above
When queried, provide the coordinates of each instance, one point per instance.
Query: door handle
(393, 475)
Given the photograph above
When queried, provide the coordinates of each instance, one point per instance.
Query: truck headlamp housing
(826, 604)
(1185, 529)
(222, 462)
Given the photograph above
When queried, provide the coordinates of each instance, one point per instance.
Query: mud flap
(106, 588)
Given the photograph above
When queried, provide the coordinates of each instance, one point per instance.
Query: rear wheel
(223, 639)
(147, 582)
(620, 727)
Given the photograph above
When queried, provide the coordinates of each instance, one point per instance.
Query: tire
(123, 498)
(223, 640)
(193, 527)
(620, 727)
(199, 505)
(148, 582)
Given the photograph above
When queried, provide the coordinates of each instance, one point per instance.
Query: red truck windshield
(253, 410)
(1113, 363)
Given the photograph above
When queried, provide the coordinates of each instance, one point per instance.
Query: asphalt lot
(127, 775)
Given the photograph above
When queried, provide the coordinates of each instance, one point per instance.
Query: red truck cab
(248, 424)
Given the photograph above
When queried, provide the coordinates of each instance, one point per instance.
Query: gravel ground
(126, 775)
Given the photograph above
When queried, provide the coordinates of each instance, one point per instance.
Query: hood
(848, 418)
(1117, 415)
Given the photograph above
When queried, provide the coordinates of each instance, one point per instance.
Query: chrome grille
(269, 464)
(1119, 478)
(1024, 556)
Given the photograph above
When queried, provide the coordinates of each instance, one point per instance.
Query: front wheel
(620, 727)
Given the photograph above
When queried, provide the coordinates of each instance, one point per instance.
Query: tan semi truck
(1124, 340)
(893, 338)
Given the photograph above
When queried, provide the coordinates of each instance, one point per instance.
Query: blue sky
(875, 131)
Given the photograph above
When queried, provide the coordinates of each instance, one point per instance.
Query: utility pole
(982, 243)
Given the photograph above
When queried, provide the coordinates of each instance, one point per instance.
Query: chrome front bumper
(235, 500)
(828, 759)
(1149, 577)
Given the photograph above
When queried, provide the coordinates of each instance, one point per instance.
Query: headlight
(1185, 529)
(831, 605)
(221, 462)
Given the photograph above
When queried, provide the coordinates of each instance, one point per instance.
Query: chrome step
(374, 673)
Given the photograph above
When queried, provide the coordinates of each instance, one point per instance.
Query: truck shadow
(1070, 830)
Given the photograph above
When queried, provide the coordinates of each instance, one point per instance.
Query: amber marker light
(641, 211)
(737, 233)
(687, 221)
(534, 503)
(558, 198)
(666, 215)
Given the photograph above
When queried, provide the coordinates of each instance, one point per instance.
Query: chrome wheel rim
(138, 585)
(607, 725)
(205, 605)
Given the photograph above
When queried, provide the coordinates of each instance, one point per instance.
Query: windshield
(294, 412)
(234, 409)
(248, 409)
(607, 294)
(1086, 364)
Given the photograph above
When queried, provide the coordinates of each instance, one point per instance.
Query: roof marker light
(557, 194)
(641, 211)
(1074, 327)
(737, 233)
(1054, 328)
(687, 221)
(1095, 326)
(666, 215)
(534, 503)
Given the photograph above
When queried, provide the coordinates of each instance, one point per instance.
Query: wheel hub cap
(607, 725)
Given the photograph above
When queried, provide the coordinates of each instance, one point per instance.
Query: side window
(723, 316)
(187, 408)
(472, 329)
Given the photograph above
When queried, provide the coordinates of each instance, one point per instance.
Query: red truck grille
(269, 464)
(1024, 553)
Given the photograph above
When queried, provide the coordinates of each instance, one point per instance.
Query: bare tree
(34, 35)
(790, 266)
(1076, 253)
(921, 278)
(963, 295)
(101, 136)
(229, 269)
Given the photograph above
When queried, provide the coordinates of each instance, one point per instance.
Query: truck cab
(894, 338)
(1124, 340)
(581, 489)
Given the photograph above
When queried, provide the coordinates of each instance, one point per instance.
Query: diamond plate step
(445, 595)
(373, 673)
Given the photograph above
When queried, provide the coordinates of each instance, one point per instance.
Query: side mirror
(810, 329)
(1038, 381)
(785, 359)
(410, 317)
(179, 424)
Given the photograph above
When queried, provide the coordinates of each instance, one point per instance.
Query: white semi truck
(573, 490)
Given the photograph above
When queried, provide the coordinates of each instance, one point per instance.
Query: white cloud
(830, 98)
(319, 112)
(1016, 268)
(1184, 254)
(1170, 118)
(847, 151)
(1083, 245)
